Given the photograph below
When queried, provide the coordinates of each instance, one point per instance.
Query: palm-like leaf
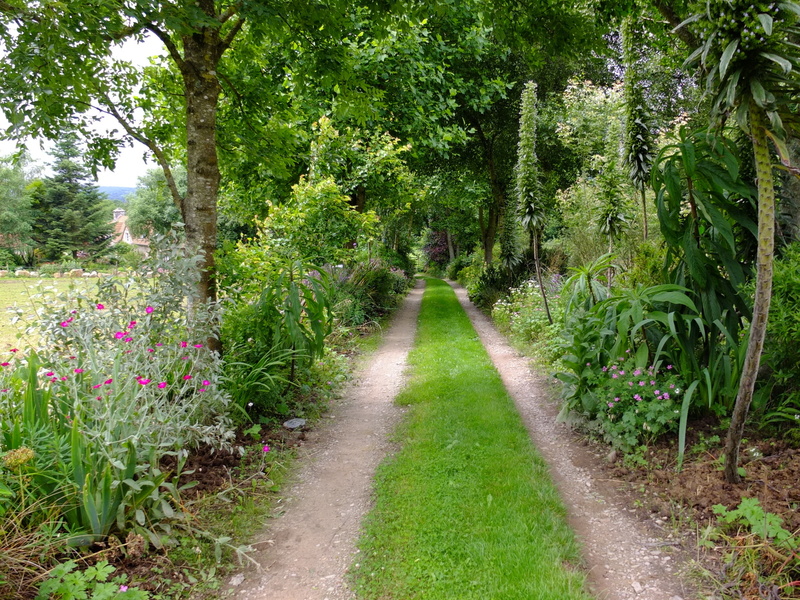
(752, 69)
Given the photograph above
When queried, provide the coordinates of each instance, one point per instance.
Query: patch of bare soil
(626, 556)
(305, 551)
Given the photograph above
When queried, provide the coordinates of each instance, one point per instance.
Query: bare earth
(306, 550)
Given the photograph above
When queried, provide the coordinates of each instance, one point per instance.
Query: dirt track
(306, 550)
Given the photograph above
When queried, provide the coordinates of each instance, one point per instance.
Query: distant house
(123, 234)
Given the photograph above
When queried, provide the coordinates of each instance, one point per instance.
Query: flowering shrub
(521, 313)
(121, 378)
(637, 404)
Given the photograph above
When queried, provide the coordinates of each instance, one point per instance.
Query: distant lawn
(18, 292)
(465, 510)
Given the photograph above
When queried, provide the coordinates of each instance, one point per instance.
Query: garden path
(306, 550)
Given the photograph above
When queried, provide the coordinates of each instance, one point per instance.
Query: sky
(130, 163)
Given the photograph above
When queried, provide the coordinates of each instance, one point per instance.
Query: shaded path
(625, 559)
(305, 553)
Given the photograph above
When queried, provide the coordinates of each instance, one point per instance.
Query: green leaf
(766, 23)
(759, 94)
(687, 401)
(779, 60)
(725, 59)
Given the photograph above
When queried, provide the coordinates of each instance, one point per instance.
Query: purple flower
(78, 370)
(187, 377)
(184, 344)
(198, 345)
(144, 381)
(148, 310)
(162, 385)
(100, 306)
(614, 376)
(119, 335)
(265, 448)
(641, 383)
(206, 382)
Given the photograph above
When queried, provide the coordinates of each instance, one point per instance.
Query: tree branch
(665, 8)
(167, 41)
(177, 198)
(232, 10)
(237, 27)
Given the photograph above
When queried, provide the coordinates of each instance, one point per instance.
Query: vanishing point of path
(306, 550)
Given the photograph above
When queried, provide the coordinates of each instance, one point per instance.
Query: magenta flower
(15, 350)
(637, 372)
(614, 376)
(63, 378)
(637, 397)
(187, 377)
(150, 350)
(159, 344)
(672, 386)
(206, 382)
(162, 385)
(669, 367)
(184, 358)
(148, 310)
(665, 396)
(100, 306)
(108, 381)
(622, 372)
(201, 390)
(99, 385)
(123, 588)
(630, 384)
(184, 344)
(616, 399)
(657, 392)
(64, 324)
(652, 382)
(144, 381)
(641, 383)
(610, 404)
(128, 339)
(132, 324)
(49, 374)
(198, 345)
(605, 369)
(119, 335)
(5, 364)
(265, 448)
(78, 370)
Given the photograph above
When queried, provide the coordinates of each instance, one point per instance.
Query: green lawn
(18, 292)
(465, 509)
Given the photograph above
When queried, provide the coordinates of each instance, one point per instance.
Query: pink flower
(123, 588)
(100, 306)
(605, 369)
(162, 385)
(132, 324)
(15, 350)
(108, 381)
(63, 378)
(665, 396)
(98, 397)
(616, 399)
(187, 377)
(206, 382)
(637, 372)
(669, 367)
(637, 397)
(184, 344)
(652, 382)
(588, 364)
(614, 376)
(201, 390)
(65, 323)
(159, 344)
(119, 335)
(610, 404)
(622, 372)
(99, 385)
(630, 384)
(184, 358)
(5, 364)
(78, 370)
(148, 310)
(150, 350)
(657, 392)
(49, 374)
(128, 339)
(198, 345)
(265, 448)
(144, 381)
(641, 383)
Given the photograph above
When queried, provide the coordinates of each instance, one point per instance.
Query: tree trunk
(202, 52)
(450, 250)
(644, 213)
(763, 295)
(537, 263)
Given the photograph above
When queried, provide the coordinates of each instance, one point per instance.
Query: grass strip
(466, 508)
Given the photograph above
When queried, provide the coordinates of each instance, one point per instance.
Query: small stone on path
(294, 423)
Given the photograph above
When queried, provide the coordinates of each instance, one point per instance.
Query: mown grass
(465, 509)
(18, 292)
